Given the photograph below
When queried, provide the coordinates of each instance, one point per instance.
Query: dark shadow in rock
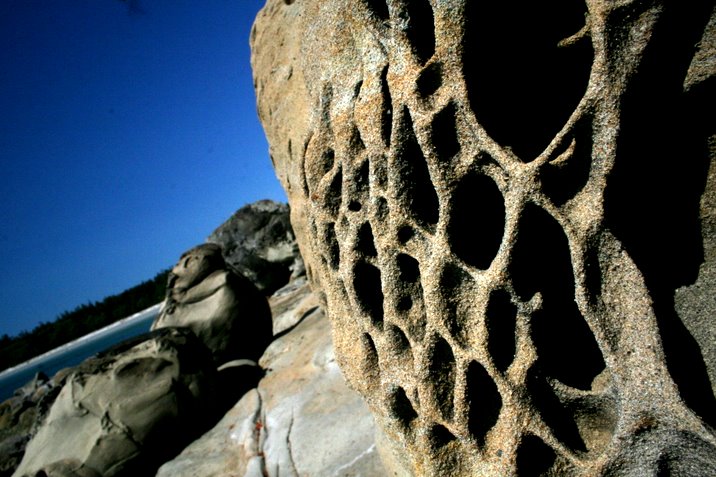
(234, 379)
(443, 133)
(386, 115)
(484, 401)
(477, 220)
(379, 7)
(421, 29)
(534, 457)
(430, 80)
(562, 181)
(521, 85)
(412, 177)
(653, 196)
(553, 412)
(401, 408)
(368, 290)
(441, 375)
(567, 349)
(501, 322)
(364, 242)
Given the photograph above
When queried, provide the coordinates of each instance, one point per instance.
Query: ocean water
(77, 351)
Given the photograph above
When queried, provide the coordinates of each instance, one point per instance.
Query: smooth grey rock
(127, 410)
(222, 307)
(301, 420)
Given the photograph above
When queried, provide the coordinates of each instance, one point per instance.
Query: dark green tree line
(84, 319)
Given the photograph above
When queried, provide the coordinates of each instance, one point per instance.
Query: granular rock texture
(497, 202)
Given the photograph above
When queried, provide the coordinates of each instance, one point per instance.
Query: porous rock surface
(301, 420)
(498, 203)
(222, 307)
(127, 410)
(259, 242)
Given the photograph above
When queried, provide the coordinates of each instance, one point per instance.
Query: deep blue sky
(126, 136)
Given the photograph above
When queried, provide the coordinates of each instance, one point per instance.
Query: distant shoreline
(10, 377)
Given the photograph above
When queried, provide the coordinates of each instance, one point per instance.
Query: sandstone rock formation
(223, 308)
(301, 420)
(259, 242)
(17, 419)
(127, 410)
(498, 203)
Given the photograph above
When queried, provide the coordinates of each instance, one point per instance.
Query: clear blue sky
(128, 132)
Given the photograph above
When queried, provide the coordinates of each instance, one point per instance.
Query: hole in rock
(534, 457)
(386, 115)
(379, 7)
(405, 303)
(430, 80)
(652, 202)
(439, 436)
(365, 243)
(409, 268)
(441, 375)
(381, 209)
(401, 408)
(333, 196)
(484, 401)
(355, 143)
(421, 32)
(562, 181)
(367, 286)
(370, 359)
(443, 133)
(332, 248)
(501, 323)
(477, 220)
(399, 342)
(521, 85)
(361, 177)
(414, 186)
(553, 412)
(354, 206)
(405, 233)
(565, 345)
(317, 166)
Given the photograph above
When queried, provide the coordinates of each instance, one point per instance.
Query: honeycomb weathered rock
(498, 201)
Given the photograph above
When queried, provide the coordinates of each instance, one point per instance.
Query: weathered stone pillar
(499, 202)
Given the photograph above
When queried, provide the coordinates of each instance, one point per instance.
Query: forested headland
(84, 319)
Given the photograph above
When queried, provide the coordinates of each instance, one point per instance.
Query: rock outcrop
(497, 204)
(223, 308)
(126, 411)
(302, 419)
(259, 242)
(17, 420)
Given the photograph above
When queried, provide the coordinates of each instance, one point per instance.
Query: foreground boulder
(259, 242)
(127, 410)
(497, 204)
(224, 309)
(301, 420)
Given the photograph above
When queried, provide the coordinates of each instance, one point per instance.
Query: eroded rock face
(127, 410)
(498, 203)
(259, 242)
(222, 307)
(301, 420)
